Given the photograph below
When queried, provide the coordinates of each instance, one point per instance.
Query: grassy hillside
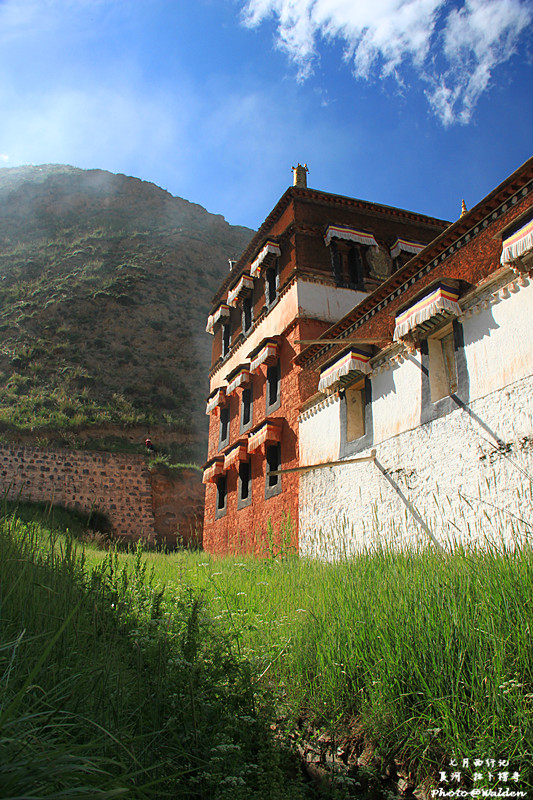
(105, 286)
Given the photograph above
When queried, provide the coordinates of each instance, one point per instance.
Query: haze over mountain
(105, 287)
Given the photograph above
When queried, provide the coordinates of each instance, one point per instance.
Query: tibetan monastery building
(430, 426)
(316, 257)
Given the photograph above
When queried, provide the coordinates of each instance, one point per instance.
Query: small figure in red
(149, 445)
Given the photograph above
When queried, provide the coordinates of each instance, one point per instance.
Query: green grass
(426, 657)
(113, 688)
(430, 655)
(164, 460)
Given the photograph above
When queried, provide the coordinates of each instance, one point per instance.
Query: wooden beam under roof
(341, 341)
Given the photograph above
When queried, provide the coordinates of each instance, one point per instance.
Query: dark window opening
(401, 259)
(273, 458)
(347, 265)
(226, 339)
(221, 495)
(355, 268)
(224, 425)
(271, 285)
(245, 482)
(246, 415)
(247, 315)
(272, 389)
(335, 262)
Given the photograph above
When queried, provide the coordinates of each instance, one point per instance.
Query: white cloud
(383, 36)
(478, 37)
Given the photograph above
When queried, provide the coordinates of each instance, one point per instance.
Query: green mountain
(105, 287)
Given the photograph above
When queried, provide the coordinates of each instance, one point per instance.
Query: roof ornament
(463, 208)
(300, 176)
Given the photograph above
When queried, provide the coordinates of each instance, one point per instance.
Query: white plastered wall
(301, 299)
(319, 433)
(466, 486)
(328, 303)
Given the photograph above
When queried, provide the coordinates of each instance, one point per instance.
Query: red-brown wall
(471, 263)
(139, 503)
(245, 529)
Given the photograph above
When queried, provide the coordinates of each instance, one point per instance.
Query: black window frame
(356, 268)
(354, 446)
(272, 460)
(348, 265)
(439, 360)
(273, 374)
(221, 494)
(358, 387)
(434, 409)
(244, 481)
(247, 313)
(225, 420)
(271, 284)
(247, 402)
(226, 339)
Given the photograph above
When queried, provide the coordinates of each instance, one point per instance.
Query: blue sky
(413, 103)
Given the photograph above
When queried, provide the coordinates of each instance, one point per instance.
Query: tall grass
(111, 689)
(429, 654)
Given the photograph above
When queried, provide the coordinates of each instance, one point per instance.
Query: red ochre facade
(245, 529)
(269, 524)
(467, 264)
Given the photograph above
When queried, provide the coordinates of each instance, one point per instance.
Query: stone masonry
(116, 484)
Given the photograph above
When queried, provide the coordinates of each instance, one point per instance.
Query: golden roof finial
(463, 208)
(300, 175)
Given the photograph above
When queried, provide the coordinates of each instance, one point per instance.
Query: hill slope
(105, 286)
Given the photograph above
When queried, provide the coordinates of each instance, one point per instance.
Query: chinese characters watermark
(491, 777)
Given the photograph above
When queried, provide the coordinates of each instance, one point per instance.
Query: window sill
(272, 491)
(244, 503)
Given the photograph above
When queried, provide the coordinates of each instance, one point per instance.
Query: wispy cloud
(87, 125)
(383, 37)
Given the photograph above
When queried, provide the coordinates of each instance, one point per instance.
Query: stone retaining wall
(116, 484)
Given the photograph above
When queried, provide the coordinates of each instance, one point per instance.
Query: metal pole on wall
(410, 507)
(372, 457)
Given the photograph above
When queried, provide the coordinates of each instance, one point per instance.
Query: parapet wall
(116, 484)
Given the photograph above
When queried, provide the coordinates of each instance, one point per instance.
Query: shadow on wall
(158, 506)
(178, 506)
